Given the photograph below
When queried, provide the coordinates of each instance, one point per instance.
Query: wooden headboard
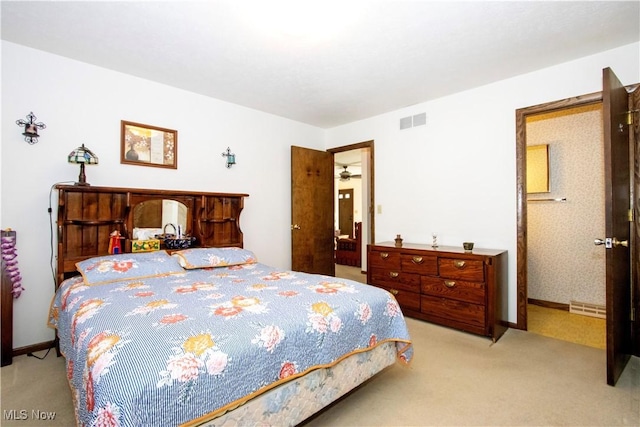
(87, 216)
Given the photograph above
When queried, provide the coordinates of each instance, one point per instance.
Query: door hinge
(632, 314)
(631, 116)
(631, 215)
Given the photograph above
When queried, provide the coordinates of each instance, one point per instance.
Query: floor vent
(587, 309)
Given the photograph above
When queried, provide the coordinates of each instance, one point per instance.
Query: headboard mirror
(150, 215)
(159, 212)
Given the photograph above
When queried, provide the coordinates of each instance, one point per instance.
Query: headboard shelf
(90, 222)
(87, 216)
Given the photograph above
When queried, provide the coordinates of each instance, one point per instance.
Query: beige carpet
(353, 273)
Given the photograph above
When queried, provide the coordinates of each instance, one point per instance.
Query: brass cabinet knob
(417, 260)
(449, 283)
(394, 291)
(393, 274)
(459, 263)
(384, 255)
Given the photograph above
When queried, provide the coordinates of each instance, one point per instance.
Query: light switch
(379, 209)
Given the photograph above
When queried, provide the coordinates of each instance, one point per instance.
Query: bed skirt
(291, 403)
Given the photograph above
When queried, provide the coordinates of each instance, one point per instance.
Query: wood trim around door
(521, 191)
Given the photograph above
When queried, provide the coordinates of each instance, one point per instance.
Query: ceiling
(323, 63)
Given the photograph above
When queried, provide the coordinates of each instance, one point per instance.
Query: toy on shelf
(115, 247)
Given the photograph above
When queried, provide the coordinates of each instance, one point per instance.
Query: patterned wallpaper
(563, 262)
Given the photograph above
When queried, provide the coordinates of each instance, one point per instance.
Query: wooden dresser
(444, 285)
(87, 215)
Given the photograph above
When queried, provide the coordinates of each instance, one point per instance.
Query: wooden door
(617, 224)
(635, 232)
(312, 210)
(345, 211)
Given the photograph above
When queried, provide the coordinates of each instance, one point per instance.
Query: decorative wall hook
(231, 158)
(31, 128)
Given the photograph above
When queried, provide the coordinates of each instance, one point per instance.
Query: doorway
(522, 208)
(359, 161)
(566, 272)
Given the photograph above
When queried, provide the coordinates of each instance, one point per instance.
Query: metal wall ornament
(231, 158)
(31, 128)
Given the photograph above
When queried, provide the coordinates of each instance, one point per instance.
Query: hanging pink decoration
(10, 258)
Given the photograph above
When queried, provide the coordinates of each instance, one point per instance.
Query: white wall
(79, 104)
(459, 171)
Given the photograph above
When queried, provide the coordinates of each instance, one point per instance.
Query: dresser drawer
(458, 311)
(473, 292)
(395, 279)
(419, 264)
(465, 269)
(384, 259)
(407, 300)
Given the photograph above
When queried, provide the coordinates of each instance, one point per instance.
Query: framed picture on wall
(538, 169)
(146, 145)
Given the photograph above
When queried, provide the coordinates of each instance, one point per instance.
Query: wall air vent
(420, 119)
(405, 123)
(413, 121)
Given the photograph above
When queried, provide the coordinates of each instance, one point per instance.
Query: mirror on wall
(158, 212)
(538, 169)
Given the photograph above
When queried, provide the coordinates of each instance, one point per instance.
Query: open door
(617, 224)
(312, 236)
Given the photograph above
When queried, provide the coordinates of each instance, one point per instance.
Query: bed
(208, 335)
(159, 339)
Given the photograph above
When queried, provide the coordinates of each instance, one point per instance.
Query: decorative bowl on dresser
(444, 285)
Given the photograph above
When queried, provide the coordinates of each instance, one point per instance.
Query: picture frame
(146, 145)
(538, 169)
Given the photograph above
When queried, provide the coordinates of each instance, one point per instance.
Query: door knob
(617, 242)
(295, 227)
(611, 242)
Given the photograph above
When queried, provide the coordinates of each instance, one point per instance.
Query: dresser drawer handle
(459, 263)
(449, 283)
(394, 291)
(417, 260)
(384, 255)
(394, 274)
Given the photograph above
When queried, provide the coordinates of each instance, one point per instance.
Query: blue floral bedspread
(176, 348)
